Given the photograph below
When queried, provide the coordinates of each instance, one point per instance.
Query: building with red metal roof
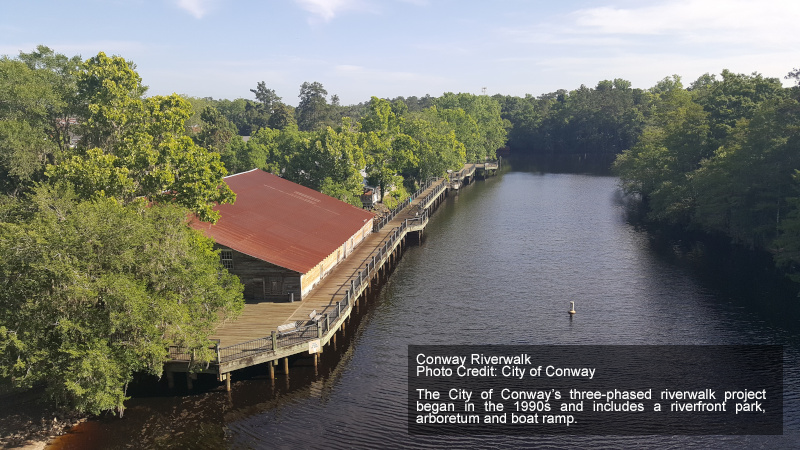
(282, 238)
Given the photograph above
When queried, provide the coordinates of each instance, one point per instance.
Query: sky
(389, 48)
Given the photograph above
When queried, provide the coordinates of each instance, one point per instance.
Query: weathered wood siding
(263, 281)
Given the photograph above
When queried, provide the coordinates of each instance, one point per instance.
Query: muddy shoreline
(29, 423)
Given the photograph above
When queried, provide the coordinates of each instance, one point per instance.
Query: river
(499, 263)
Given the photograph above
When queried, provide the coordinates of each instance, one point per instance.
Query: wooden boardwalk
(253, 338)
(260, 319)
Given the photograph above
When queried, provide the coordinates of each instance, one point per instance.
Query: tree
(134, 147)
(336, 160)
(37, 95)
(58, 71)
(672, 146)
(109, 93)
(734, 97)
(312, 111)
(282, 117)
(388, 151)
(219, 135)
(94, 291)
(742, 189)
(787, 245)
(794, 74)
(438, 150)
(268, 98)
(486, 117)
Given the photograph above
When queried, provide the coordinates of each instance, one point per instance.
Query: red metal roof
(282, 222)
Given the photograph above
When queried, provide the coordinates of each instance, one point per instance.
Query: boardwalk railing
(378, 224)
(179, 353)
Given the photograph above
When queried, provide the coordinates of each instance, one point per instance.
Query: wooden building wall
(264, 281)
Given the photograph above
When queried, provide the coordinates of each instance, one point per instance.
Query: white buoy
(572, 308)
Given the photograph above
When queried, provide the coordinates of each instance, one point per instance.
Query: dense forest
(99, 272)
(602, 121)
(722, 158)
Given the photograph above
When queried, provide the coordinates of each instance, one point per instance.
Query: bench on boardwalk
(314, 317)
(288, 328)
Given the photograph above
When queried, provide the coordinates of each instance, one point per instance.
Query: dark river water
(499, 263)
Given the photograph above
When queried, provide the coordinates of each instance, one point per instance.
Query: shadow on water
(158, 417)
(583, 163)
(747, 278)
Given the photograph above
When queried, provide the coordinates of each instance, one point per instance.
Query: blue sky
(388, 48)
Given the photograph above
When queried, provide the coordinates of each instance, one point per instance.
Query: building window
(227, 259)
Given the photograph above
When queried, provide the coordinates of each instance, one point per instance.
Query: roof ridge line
(240, 173)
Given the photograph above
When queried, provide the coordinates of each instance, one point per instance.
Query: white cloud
(702, 21)
(764, 24)
(197, 8)
(328, 9)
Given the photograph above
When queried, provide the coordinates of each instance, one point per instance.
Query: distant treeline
(320, 144)
(719, 157)
(603, 120)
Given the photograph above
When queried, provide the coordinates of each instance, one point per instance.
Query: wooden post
(271, 370)
(228, 381)
(286, 366)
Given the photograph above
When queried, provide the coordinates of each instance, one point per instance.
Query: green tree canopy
(93, 291)
(37, 104)
(136, 147)
(312, 111)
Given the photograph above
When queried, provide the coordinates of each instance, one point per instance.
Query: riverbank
(715, 257)
(28, 423)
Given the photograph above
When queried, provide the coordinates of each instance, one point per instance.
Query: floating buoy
(572, 308)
